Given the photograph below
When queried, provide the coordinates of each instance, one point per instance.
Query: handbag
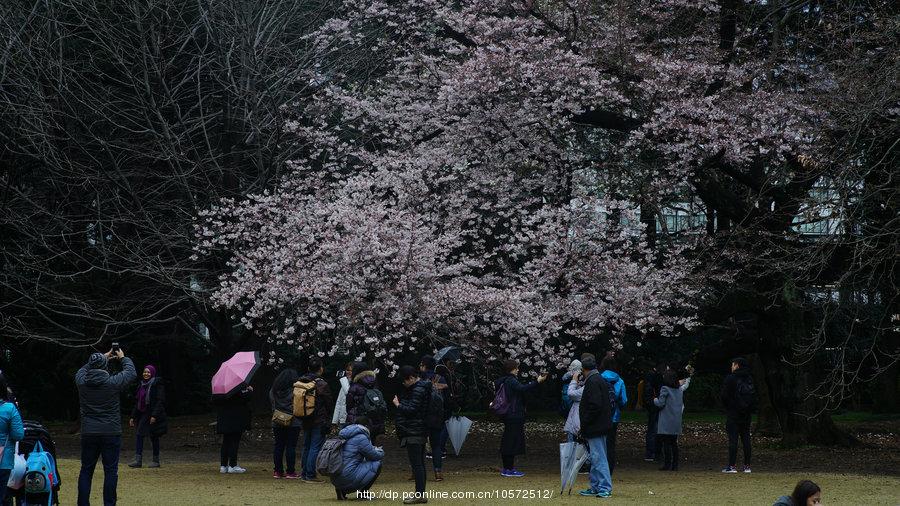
(17, 474)
(281, 418)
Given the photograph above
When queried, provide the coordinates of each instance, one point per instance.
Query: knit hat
(574, 366)
(97, 361)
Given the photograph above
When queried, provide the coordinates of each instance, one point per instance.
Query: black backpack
(373, 404)
(745, 395)
(434, 418)
(612, 395)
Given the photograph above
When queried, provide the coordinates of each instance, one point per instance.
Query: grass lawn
(201, 484)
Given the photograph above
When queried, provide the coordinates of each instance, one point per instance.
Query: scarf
(144, 389)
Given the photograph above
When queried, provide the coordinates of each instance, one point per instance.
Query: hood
(784, 501)
(96, 377)
(742, 371)
(567, 376)
(574, 366)
(364, 377)
(611, 377)
(353, 430)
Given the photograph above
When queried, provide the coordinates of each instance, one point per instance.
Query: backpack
(434, 418)
(304, 398)
(745, 396)
(373, 404)
(40, 472)
(613, 401)
(566, 403)
(330, 461)
(500, 405)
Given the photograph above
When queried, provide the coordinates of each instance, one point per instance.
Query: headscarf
(97, 361)
(144, 388)
(574, 367)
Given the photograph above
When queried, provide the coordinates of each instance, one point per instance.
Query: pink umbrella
(235, 373)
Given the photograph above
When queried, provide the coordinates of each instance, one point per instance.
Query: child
(671, 405)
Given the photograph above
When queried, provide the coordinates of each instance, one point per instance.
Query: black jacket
(156, 408)
(232, 413)
(99, 394)
(595, 410)
(515, 395)
(652, 387)
(729, 394)
(413, 407)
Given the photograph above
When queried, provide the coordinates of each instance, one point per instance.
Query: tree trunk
(802, 417)
(885, 392)
(767, 417)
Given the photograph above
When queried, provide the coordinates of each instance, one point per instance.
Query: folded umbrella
(571, 457)
(457, 429)
(235, 373)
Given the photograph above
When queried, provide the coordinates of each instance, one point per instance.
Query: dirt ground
(703, 446)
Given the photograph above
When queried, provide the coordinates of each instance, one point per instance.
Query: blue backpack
(40, 472)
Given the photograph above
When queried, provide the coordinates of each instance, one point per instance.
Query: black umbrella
(448, 354)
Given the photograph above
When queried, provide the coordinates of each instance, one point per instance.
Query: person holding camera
(101, 421)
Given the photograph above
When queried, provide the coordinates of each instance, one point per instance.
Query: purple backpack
(500, 405)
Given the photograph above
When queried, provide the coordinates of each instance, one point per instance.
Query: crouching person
(361, 460)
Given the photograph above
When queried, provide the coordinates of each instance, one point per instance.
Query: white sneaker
(236, 470)
(223, 469)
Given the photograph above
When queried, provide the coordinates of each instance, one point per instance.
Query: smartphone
(115, 346)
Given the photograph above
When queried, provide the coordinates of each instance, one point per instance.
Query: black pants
(652, 448)
(139, 445)
(611, 447)
(509, 461)
(416, 454)
(669, 451)
(737, 428)
(285, 448)
(228, 452)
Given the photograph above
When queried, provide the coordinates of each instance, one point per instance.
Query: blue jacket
(361, 459)
(11, 430)
(618, 386)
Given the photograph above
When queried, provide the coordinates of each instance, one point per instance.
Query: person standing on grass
(512, 442)
(232, 419)
(609, 368)
(652, 386)
(595, 413)
(149, 415)
(281, 397)
(412, 408)
(739, 398)
(572, 388)
(364, 382)
(316, 426)
(339, 418)
(671, 405)
(806, 493)
(99, 394)
(437, 427)
(11, 430)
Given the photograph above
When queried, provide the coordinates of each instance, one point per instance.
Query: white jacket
(340, 407)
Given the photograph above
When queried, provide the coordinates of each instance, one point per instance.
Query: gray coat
(99, 393)
(671, 406)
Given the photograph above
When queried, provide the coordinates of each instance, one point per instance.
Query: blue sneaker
(588, 492)
(514, 473)
(604, 494)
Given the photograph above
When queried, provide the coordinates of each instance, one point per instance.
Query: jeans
(445, 436)
(94, 447)
(611, 447)
(312, 443)
(228, 451)
(286, 448)
(435, 438)
(4, 478)
(652, 446)
(736, 428)
(416, 454)
(139, 445)
(600, 479)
